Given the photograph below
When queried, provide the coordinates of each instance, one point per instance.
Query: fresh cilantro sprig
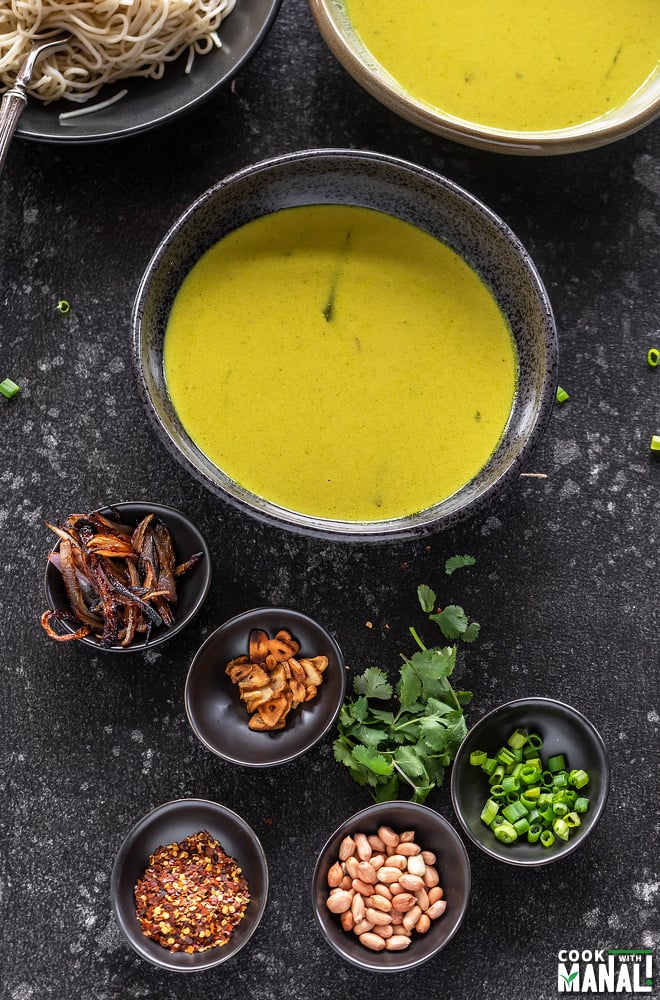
(403, 737)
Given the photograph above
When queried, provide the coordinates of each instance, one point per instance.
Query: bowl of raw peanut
(391, 886)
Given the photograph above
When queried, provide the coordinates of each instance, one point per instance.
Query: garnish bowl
(417, 196)
(218, 716)
(432, 833)
(564, 730)
(192, 587)
(171, 823)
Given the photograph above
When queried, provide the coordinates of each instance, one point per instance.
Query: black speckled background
(566, 584)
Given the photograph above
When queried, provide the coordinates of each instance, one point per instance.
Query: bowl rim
(142, 824)
(210, 639)
(389, 809)
(645, 105)
(328, 529)
(532, 701)
(167, 633)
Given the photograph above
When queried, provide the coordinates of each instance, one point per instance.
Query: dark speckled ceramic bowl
(402, 189)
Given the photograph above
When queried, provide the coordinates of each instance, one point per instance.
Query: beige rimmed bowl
(343, 41)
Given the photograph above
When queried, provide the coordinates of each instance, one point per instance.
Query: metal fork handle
(11, 108)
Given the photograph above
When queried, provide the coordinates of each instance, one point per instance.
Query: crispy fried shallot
(120, 580)
(272, 681)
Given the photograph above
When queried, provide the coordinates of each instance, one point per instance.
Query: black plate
(192, 587)
(219, 717)
(433, 833)
(149, 103)
(563, 730)
(170, 823)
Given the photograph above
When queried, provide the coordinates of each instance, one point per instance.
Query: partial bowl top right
(527, 79)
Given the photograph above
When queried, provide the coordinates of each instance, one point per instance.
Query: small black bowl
(192, 587)
(220, 719)
(171, 823)
(565, 731)
(433, 833)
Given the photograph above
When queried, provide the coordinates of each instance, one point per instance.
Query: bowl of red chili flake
(189, 885)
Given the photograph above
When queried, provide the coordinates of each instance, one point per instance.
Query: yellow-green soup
(340, 363)
(521, 65)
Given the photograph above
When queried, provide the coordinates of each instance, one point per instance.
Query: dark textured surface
(565, 586)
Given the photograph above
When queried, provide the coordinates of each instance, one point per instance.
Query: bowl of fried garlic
(265, 687)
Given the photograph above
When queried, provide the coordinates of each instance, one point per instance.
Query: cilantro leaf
(427, 598)
(410, 762)
(472, 632)
(452, 621)
(373, 683)
(373, 761)
(457, 562)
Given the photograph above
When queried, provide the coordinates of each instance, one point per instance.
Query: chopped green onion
(478, 757)
(515, 810)
(561, 395)
(561, 828)
(489, 765)
(489, 811)
(581, 805)
(9, 388)
(63, 306)
(572, 819)
(506, 833)
(653, 357)
(556, 763)
(521, 826)
(655, 442)
(534, 832)
(579, 778)
(510, 783)
(547, 838)
(497, 792)
(517, 739)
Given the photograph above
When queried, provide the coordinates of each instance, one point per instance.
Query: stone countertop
(565, 585)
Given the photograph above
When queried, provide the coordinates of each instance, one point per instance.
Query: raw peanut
(407, 836)
(380, 903)
(383, 930)
(417, 865)
(388, 836)
(395, 888)
(423, 900)
(358, 908)
(431, 877)
(362, 887)
(347, 920)
(366, 873)
(339, 901)
(398, 929)
(397, 942)
(362, 847)
(335, 875)
(345, 882)
(410, 882)
(429, 857)
(372, 941)
(346, 848)
(363, 927)
(352, 866)
(436, 893)
(436, 909)
(384, 890)
(410, 918)
(377, 861)
(388, 875)
(408, 848)
(377, 916)
(398, 861)
(423, 924)
(377, 844)
(403, 901)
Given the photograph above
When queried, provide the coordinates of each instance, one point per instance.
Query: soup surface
(340, 362)
(528, 66)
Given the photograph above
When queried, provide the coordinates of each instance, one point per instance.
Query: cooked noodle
(111, 40)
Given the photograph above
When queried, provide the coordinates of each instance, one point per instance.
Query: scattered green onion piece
(9, 388)
(578, 778)
(504, 756)
(556, 763)
(561, 395)
(653, 357)
(534, 832)
(655, 442)
(572, 819)
(535, 741)
(547, 838)
(489, 765)
(489, 811)
(63, 306)
(478, 757)
(581, 805)
(517, 739)
(521, 826)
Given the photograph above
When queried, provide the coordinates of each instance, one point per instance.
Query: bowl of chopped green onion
(530, 781)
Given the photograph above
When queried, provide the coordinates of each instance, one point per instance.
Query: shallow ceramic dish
(171, 823)
(150, 103)
(402, 189)
(433, 833)
(342, 40)
(565, 731)
(192, 587)
(220, 719)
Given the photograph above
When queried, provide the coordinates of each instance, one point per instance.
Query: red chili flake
(192, 896)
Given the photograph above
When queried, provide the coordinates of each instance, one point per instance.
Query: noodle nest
(110, 40)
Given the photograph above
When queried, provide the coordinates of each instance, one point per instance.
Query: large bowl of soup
(347, 345)
(523, 78)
